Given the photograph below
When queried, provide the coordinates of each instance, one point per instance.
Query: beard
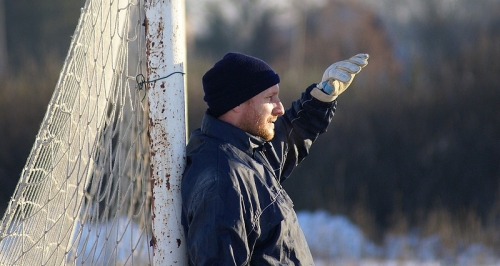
(259, 125)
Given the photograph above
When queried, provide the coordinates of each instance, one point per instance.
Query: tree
(248, 27)
(3, 41)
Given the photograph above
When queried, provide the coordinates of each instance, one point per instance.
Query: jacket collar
(228, 133)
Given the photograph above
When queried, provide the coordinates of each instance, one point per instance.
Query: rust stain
(159, 31)
(168, 181)
(151, 173)
(148, 42)
(149, 130)
(152, 242)
(151, 124)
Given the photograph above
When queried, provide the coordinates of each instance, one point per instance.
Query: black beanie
(235, 79)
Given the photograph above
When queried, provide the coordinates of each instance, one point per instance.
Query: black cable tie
(141, 80)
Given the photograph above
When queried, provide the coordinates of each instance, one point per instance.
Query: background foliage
(418, 131)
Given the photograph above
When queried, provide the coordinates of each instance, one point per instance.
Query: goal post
(166, 57)
(85, 194)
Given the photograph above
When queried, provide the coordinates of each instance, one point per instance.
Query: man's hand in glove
(339, 76)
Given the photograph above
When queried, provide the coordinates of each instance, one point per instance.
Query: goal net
(84, 195)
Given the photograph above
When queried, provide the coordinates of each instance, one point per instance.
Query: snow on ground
(334, 240)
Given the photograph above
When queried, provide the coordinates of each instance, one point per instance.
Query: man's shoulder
(216, 160)
(217, 157)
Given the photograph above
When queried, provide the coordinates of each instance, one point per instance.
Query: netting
(83, 196)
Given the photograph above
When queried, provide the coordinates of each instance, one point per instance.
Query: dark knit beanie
(235, 79)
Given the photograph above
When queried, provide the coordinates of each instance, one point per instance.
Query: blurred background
(415, 141)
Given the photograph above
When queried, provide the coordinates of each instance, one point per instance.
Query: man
(235, 211)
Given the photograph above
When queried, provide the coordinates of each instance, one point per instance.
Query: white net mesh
(83, 196)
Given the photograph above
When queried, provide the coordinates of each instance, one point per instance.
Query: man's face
(261, 112)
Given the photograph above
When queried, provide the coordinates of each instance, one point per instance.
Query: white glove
(339, 76)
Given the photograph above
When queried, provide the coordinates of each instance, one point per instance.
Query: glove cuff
(326, 87)
(322, 96)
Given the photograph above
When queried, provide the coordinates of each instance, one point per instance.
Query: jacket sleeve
(298, 128)
(217, 234)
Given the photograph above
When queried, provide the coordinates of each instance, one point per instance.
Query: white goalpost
(167, 126)
(101, 185)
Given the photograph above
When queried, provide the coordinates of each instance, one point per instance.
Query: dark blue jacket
(235, 211)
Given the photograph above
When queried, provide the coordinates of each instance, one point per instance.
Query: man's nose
(278, 109)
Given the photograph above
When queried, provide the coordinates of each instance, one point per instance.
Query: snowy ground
(334, 240)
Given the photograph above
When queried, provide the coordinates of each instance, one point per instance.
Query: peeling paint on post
(166, 53)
